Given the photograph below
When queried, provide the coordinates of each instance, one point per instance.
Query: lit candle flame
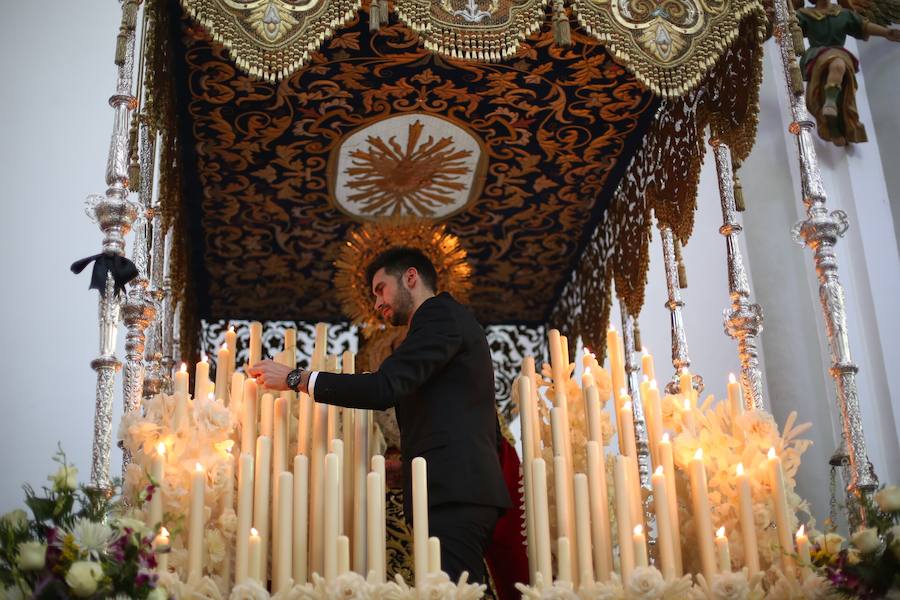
(731, 378)
(203, 357)
(161, 449)
(653, 384)
(638, 530)
(687, 404)
(772, 453)
(665, 438)
(612, 328)
(685, 371)
(626, 405)
(698, 455)
(644, 351)
(645, 379)
(740, 468)
(658, 470)
(623, 392)
(183, 368)
(720, 532)
(231, 328)
(211, 396)
(254, 532)
(225, 346)
(164, 532)
(198, 467)
(802, 531)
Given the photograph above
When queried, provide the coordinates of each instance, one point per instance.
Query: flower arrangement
(79, 542)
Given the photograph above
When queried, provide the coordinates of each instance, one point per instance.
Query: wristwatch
(293, 379)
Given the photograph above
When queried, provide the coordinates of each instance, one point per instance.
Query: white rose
(249, 590)
(65, 479)
(157, 593)
(32, 556)
(83, 577)
(730, 586)
(15, 518)
(215, 546)
(866, 540)
(888, 499)
(645, 583)
(228, 522)
(830, 542)
(205, 589)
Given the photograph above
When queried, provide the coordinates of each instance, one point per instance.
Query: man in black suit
(441, 381)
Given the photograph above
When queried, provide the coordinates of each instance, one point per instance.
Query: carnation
(83, 577)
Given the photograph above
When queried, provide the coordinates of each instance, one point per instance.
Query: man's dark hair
(397, 260)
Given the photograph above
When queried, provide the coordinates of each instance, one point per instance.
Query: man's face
(393, 299)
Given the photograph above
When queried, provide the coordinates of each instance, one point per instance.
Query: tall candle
(434, 555)
(236, 394)
(279, 466)
(231, 343)
(803, 549)
(255, 343)
(332, 516)
(337, 448)
(249, 416)
(266, 414)
(317, 488)
(375, 542)
(420, 518)
(702, 515)
(639, 540)
(201, 378)
(722, 552)
(542, 521)
(748, 526)
(528, 371)
(524, 388)
(244, 518)
(686, 383)
(290, 347)
(634, 480)
(623, 517)
(594, 414)
(656, 418)
(360, 462)
(255, 545)
(222, 360)
(304, 424)
(181, 380)
(161, 546)
(180, 414)
(343, 554)
(157, 469)
(300, 519)
(600, 534)
(196, 523)
(583, 526)
(282, 559)
(687, 417)
(228, 492)
(617, 373)
(378, 467)
(734, 396)
(563, 559)
(565, 520)
(262, 480)
(782, 521)
(664, 533)
(557, 368)
(647, 364)
(667, 463)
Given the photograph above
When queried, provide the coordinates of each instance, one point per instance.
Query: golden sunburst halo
(373, 238)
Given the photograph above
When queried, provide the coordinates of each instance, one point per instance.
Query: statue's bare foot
(829, 109)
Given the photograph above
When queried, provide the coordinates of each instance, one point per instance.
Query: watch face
(293, 379)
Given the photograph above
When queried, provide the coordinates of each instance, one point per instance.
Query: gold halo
(373, 238)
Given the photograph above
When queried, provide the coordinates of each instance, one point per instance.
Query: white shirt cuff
(312, 384)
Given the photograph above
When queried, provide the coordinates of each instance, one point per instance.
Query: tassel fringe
(562, 30)
(682, 272)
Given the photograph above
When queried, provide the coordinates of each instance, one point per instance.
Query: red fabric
(507, 556)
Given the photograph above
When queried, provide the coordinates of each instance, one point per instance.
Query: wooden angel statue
(829, 69)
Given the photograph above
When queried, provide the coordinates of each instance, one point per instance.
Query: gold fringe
(739, 204)
(374, 16)
(638, 345)
(562, 31)
(796, 79)
(682, 272)
(384, 11)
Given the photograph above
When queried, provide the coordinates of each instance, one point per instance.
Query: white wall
(57, 74)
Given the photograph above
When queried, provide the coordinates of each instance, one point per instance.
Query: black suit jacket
(441, 381)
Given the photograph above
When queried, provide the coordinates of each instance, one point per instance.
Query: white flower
(829, 542)
(249, 590)
(135, 525)
(730, 586)
(15, 518)
(435, 587)
(83, 576)
(865, 539)
(215, 546)
(171, 585)
(228, 522)
(888, 499)
(645, 583)
(13, 592)
(91, 538)
(32, 556)
(157, 593)
(815, 587)
(603, 590)
(205, 589)
(65, 479)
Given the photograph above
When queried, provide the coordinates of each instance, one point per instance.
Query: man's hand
(273, 375)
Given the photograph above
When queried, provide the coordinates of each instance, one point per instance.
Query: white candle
(360, 462)
(542, 521)
(228, 492)
(594, 414)
(201, 378)
(290, 347)
(255, 545)
(181, 380)
(748, 526)
(236, 394)
(282, 559)
(180, 414)
(378, 467)
(317, 488)
(279, 465)
(722, 552)
(524, 389)
(623, 517)
(640, 546)
(157, 469)
(562, 476)
(266, 414)
(686, 383)
(600, 534)
(616, 368)
(634, 480)
(196, 523)
(244, 518)
(557, 368)
(583, 525)
(529, 372)
(262, 479)
(222, 360)
(803, 549)
(248, 421)
(343, 554)
(304, 424)
(782, 521)
(332, 516)
(667, 463)
(702, 515)
(420, 518)
(655, 412)
(434, 555)
(231, 342)
(734, 396)
(255, 343)
(687, 417)
(647, 364)
(300, 517)
(664, 533)
(375, 542)
(563, 559)
(161, 546)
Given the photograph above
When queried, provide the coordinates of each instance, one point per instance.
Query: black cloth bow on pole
(122, 269)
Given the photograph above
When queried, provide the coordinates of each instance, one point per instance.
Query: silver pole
(743, 319)
(820, 232)
(114, 213)
(632, 381)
